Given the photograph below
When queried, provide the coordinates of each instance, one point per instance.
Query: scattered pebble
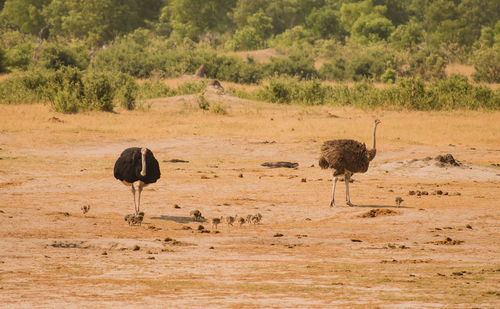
(278, 235)
(136, 248)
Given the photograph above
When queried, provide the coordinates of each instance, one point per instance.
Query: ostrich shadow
(383, 206)
(178, 219)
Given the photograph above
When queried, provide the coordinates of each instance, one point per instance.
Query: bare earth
(439, 249)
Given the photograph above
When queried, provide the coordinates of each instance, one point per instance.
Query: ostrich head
(377, 121)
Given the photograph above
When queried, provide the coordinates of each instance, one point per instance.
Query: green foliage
(55, 56)
(246, 38)
(203, 103)
(99, 91)
(297, 64)
(98, 22)
(153, 89)
(24, 88)
(127, 91)
(410, 93)
(334, 70)
(389, 76)
(324, 24)
(371, 28)
(407, 36)
(2, 60)
(26, 15)
(487, 64)
(65, 91)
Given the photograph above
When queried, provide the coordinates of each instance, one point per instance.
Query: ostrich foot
(332, 204)
(350, 204)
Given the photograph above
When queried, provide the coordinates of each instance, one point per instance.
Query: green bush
(298, 64)
(3, 60)
(99, 91)
(55, 56)
(487, 64)
(334, 70)
(389, 76)
(65, 90)
(153, 89)
(203, 103)
(127, 91)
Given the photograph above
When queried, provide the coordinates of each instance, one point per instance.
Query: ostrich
(85, 208)
(216, 221)
(230, 220)
(196, 214)
(399, 200)
(346, 157)
(137, 167)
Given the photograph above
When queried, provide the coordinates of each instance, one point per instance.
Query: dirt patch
(379, 212)
(448, 241)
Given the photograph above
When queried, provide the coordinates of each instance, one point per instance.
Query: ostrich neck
(374, 137)
(143, 159)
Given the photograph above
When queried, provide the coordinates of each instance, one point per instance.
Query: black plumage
(128, 167)
(137, 167)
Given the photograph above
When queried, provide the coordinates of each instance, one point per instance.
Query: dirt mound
(446, 160)
(379, 212)
(448, 241)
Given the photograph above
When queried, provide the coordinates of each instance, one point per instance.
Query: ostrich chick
(257, 218)
(346, 157)
(399, 200)
(85, 209)
(241, 220)
(230, 220)
(216, 221)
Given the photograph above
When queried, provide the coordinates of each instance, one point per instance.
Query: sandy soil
(440, 248)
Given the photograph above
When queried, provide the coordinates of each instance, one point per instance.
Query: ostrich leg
(347, 177)
(140, 185)
(133, 193)
(332, 203)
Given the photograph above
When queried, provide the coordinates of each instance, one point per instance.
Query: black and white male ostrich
(346, 157)
(137, 167)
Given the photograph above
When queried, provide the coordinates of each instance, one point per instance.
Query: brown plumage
(346, 157)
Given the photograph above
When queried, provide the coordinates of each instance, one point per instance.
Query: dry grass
(48, 170)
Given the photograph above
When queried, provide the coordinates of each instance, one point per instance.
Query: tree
(99, 21)
(407, 36)
(25, 15)
(324, 24)
(371, 28)
(193, 18)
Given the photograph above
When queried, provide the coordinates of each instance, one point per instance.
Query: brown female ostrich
(137, 167)
(346, 157)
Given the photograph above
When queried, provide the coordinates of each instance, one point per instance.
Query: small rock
(303, 180)
(469, 226)
(136, 248)
(177, 206)
(278, 235)
(356, 240)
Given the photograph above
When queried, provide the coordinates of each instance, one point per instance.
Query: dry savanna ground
(439, 248)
